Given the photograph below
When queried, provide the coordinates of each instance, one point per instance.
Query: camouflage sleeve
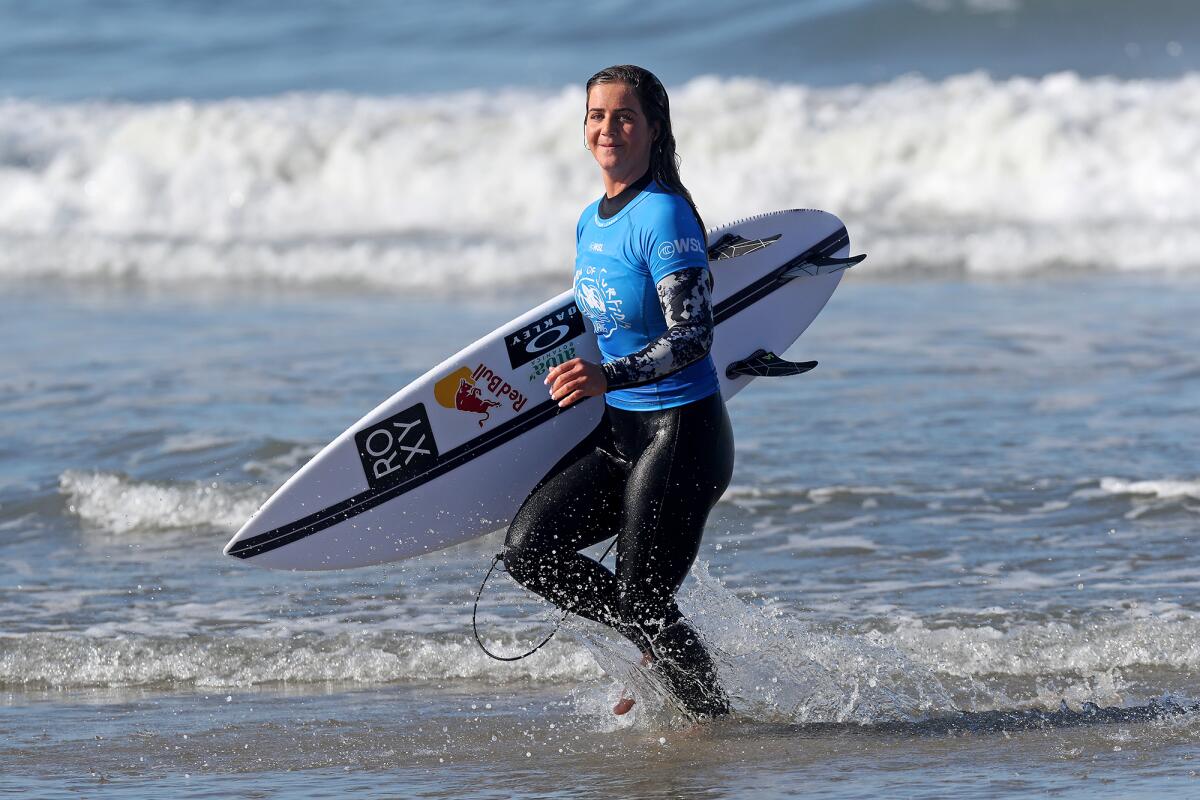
(686, 300)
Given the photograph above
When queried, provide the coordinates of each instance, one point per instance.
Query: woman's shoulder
(660, 196)
(662, 207)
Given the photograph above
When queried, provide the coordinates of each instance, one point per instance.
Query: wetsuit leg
(579, 503)
(684, 467)
(652, 477)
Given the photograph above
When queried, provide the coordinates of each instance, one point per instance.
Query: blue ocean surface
(150, 51)
(957, 559)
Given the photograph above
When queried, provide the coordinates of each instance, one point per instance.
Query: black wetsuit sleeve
(686, 300)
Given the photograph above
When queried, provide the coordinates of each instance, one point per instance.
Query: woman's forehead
(613, 95)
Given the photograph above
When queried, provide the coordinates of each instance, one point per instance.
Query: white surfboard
(451, 456)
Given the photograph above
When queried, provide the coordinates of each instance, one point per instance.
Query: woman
(663, 452)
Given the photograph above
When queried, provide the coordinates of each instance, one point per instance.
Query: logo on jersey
(599, 300)
(667, 250)
(596, 247)
(400, 446)
(553, 330)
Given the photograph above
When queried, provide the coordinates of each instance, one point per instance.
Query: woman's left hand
(574, 380)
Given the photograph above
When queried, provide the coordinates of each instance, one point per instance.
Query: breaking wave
(967, 175)
(775, 665)
(63, 661)
(120, 505)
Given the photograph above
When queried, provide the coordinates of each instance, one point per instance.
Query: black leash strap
(496, 559)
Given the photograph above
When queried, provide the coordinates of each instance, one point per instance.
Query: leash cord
(496, 559)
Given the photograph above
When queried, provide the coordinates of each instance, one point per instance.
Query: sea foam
(967, 175)
(120, 505)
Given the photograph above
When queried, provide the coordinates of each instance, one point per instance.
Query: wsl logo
(668, 250)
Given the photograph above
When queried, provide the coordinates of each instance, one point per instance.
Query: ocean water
(959, 558)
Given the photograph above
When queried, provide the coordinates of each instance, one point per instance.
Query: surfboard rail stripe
(371, 498)
(366, 500)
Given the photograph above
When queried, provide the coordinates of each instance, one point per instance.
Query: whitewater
(969, 175)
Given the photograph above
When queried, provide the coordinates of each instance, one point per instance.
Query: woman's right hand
(574, 380)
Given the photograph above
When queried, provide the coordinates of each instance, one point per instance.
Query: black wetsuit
(650, 478)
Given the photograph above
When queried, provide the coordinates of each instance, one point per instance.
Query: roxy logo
(681, 246)
(400, 446)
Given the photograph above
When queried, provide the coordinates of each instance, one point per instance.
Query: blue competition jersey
(618, 263)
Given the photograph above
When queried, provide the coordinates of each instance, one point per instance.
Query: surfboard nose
(251, 527)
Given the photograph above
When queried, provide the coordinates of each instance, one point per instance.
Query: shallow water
(985, 498)
(958, 559)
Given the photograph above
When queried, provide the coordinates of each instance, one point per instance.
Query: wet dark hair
(664, 161)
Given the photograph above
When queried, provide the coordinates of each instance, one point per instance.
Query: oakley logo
(558, 327)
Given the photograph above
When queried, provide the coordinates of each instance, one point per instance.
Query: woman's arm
(686, 300)
(686, 303)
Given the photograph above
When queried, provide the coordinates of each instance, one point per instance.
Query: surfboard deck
(451, 456)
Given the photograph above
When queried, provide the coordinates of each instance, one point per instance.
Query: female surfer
(663, 452)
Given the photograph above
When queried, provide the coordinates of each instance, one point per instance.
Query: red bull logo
(477, 392)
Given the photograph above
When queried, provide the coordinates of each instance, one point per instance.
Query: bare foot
(625, 704)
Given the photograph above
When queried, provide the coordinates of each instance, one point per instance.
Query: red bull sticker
(478, 391)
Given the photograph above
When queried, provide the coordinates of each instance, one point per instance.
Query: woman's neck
(614, 184)
(611, 205)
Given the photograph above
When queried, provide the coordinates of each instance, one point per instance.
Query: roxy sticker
(399, 447)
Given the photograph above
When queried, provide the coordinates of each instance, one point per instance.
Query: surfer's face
(617, 131)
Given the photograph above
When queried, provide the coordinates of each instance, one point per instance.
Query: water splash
(778, 668)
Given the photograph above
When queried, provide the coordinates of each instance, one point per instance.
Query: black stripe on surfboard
(456, 457)
(371, 498)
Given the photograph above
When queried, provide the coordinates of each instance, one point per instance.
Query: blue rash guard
(618, 263)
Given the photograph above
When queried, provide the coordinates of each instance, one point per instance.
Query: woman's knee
(522, 563)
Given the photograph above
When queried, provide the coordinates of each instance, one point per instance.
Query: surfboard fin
(821, 265)
(763, 364)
